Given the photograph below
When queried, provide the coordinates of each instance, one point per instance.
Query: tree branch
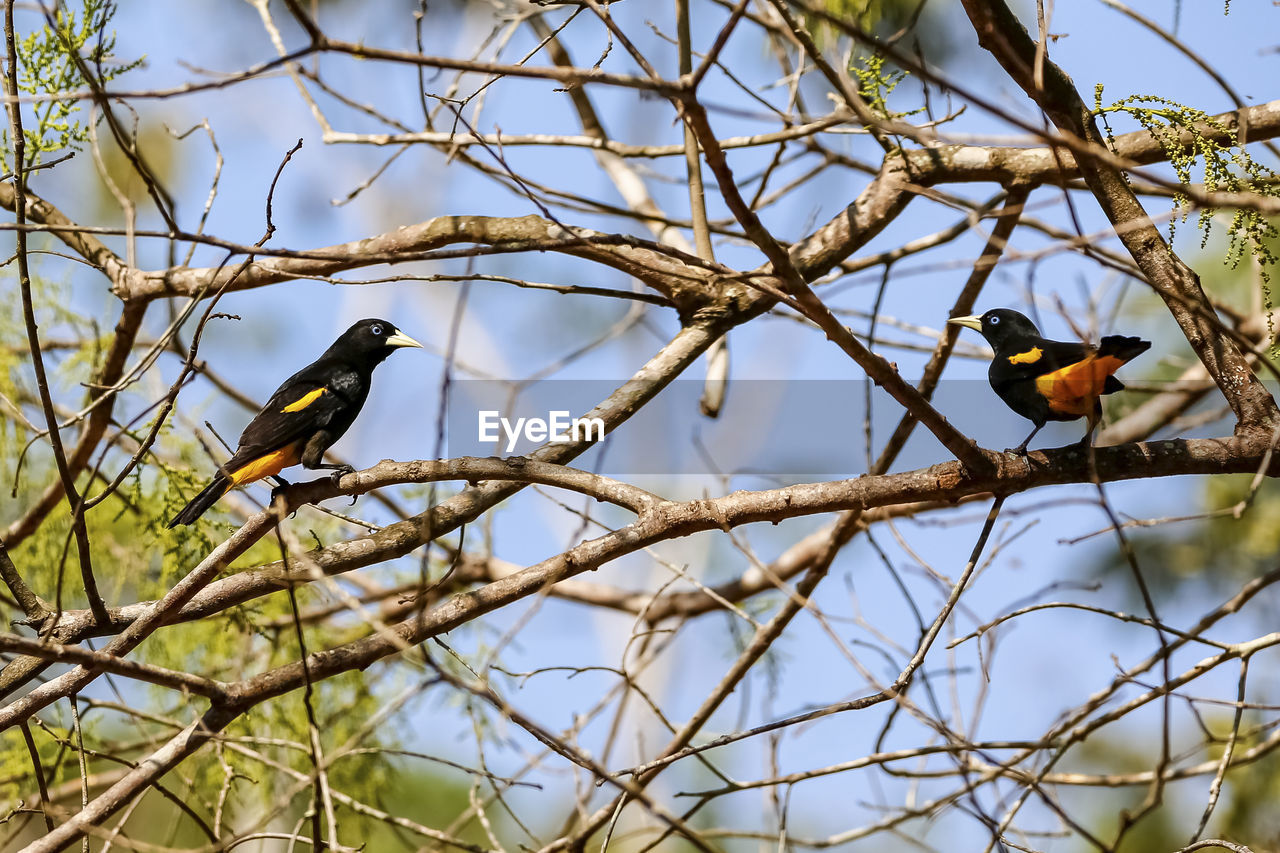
(680, 278)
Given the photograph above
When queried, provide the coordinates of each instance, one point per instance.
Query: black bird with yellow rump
(1045, 380)
(307, 414)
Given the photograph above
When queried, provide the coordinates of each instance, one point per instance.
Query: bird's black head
(370, 341)
(999, 326)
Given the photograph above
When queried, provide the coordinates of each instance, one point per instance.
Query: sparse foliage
(48, 71)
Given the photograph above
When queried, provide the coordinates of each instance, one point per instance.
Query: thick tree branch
(106, 662)
(949, 481)
(679, 278)
(1046, 165)
(660, 519)
(83, 244)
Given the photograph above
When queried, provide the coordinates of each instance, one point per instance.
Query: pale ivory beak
(400, 339)
(974, 322)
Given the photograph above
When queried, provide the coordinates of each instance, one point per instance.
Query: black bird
(1045, 380)
(307, 414)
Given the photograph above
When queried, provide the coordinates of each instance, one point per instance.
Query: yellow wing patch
(305, 400)
(1074, 389)
(267, 465)
(1031, 356)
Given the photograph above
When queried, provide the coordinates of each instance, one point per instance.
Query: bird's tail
(201, 502)
(1122, 347)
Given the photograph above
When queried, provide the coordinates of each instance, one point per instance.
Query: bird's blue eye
(376, 328)
(995, 321)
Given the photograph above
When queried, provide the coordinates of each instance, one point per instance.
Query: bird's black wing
(305, 403)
